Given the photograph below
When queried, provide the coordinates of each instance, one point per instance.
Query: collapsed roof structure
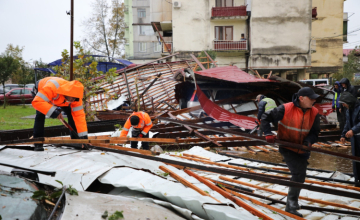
(193, 108)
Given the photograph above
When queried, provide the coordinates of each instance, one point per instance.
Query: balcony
(229, 45)
(236, 12)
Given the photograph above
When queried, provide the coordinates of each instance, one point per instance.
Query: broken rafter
(262, 139)
(227, 195)
(238, 173)
(186, 183)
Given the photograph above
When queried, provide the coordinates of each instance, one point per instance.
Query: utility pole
(72, 40)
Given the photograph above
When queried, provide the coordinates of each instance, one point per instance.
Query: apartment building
(280, 33)
(142, 43)
(291, 38)
(329, 32)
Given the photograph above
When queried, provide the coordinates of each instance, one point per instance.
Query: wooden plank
(145, 152)
(227, 195)
(285, 194)
(186, 183)
(263, 204)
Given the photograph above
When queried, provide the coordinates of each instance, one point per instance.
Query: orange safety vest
(51, 94)
(296, 125)
(144, 125)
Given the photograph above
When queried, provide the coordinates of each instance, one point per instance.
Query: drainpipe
(247, 55)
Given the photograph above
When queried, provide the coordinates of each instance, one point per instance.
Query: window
(146, 30)
(157, 47)
(142, 47)
(16, 92)
(141, 13)
(224, 3)
(223, 33)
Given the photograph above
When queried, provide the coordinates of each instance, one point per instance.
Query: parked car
(17, 96)
(314, 82)
(30, 86)
(11, 86)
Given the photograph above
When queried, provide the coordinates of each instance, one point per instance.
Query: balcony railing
(228, 11)
(230, 45)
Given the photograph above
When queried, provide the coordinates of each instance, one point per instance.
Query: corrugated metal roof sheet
(230, 73)
(88, 205)
(81, 168)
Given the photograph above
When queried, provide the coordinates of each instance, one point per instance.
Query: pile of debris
(202, 118)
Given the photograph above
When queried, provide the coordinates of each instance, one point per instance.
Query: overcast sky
(353, 9)
(43, 26)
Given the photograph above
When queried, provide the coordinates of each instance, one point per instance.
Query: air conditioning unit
(177, 4)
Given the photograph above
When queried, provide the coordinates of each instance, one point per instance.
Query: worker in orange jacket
(141, 125)
(55, 92)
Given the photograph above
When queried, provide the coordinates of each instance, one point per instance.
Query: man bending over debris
(54, 92)
(141, 125)
(265, 104)
(352, 129)
(299, 122)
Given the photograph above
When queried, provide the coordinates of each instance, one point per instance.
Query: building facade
(142, 43)
(216, 25)
(280, 33)
(329, 30)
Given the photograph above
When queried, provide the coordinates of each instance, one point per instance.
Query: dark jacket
(352, 114)
(261, 106)
(277, 114)
(349, 88)
(337, 94)
(353, 123)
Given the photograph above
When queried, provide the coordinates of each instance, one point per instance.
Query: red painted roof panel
(221, 114)
(231, 73)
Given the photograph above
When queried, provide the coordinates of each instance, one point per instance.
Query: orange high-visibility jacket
(51, 94)
(144, 125)
(296, 124)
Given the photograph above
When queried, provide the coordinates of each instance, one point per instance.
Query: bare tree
(106, 28)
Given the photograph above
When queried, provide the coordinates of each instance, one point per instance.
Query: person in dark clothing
(347, 87)
(299, 122)
(352, 129)
(264, 104)
(337, 107)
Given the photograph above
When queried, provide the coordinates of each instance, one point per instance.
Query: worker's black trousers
(134, 144)
(296, 163)
(341, 117)
(40, 122)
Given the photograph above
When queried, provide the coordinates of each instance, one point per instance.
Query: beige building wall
(161, 10)
(191, 26)
(327, 30)
(280, 34)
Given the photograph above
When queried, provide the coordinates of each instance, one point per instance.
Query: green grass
(11, 118)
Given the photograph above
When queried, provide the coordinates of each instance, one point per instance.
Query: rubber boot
(38, 147)
(292, 201)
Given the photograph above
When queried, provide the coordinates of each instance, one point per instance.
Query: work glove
(270, 138)
(141, 135)
(56, 113)
(84, 137)
(135, 133)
